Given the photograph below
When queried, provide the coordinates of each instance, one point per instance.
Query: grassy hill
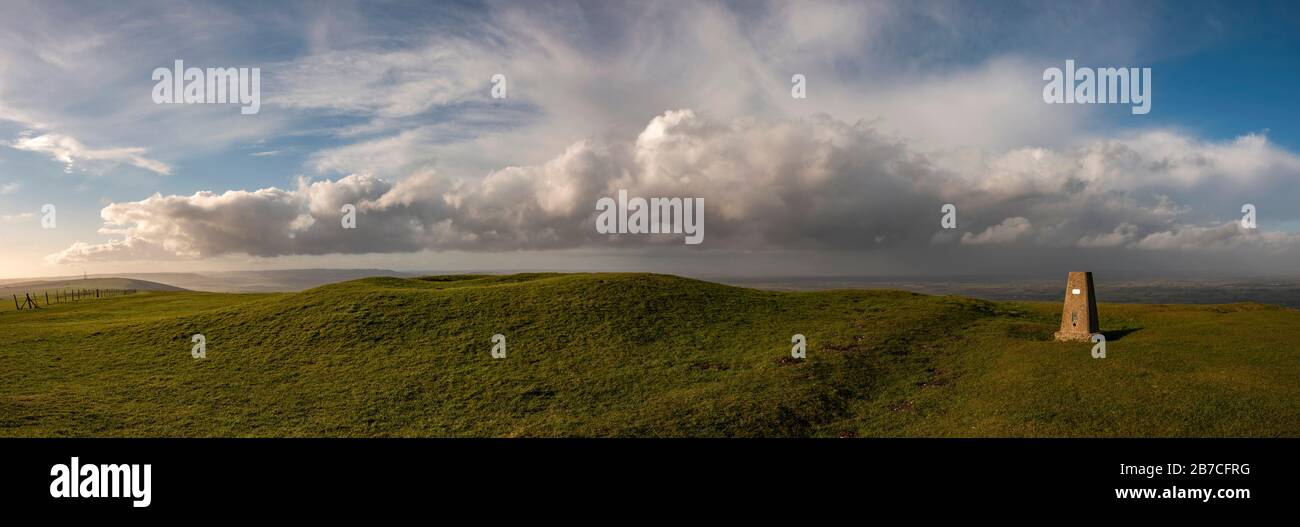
(39, 287)
(636, 355)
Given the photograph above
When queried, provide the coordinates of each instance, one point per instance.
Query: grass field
(636, 355)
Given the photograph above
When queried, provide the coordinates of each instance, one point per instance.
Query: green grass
(636, 355)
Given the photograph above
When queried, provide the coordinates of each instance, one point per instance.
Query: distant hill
(40, 287)
(637, 355)
(271, 281)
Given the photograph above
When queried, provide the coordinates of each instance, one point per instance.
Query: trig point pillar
(1079, 318)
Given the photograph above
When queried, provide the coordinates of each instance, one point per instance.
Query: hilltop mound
(624, 354)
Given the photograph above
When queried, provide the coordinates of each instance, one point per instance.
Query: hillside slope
(635, 355)
(40, 287)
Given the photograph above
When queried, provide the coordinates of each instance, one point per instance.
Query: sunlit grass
(635, 355)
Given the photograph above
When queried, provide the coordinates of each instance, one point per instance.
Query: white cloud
(1227, 236)
(9, 219)
(385, 83)
(393, 155)
(1122, 235)
(1010, 230)
(69, 151)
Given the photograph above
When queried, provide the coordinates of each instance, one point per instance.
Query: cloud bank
(797, 183)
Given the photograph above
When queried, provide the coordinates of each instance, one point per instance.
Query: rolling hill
(636, 355)
(40, 287)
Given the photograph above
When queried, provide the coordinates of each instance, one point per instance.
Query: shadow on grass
(1116, 334)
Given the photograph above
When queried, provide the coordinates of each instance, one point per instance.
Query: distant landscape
(1124, 288)
(630, 354)
(1282, 291)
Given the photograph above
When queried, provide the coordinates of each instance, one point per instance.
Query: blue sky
(911, 105)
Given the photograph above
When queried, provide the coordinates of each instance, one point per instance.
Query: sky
(389, 108)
